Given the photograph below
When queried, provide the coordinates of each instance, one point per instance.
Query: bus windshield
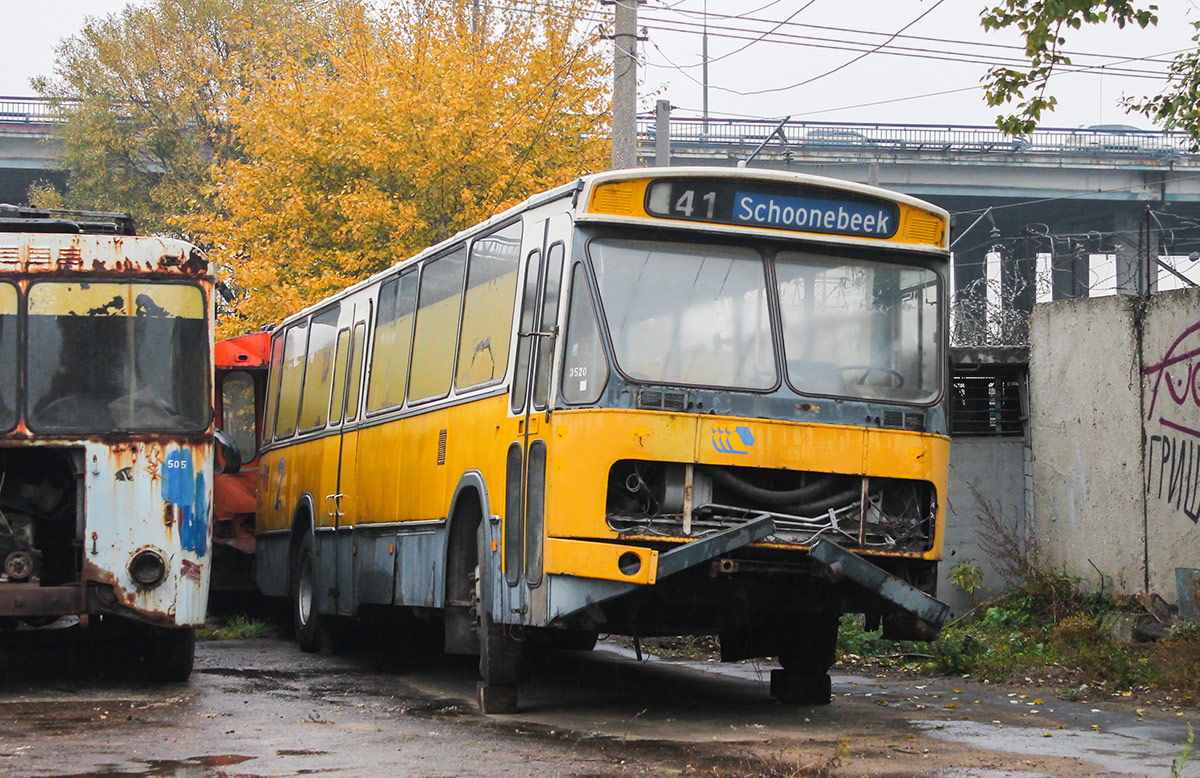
(117, 357)
(694, 314)
(853, 328)
(686, 313)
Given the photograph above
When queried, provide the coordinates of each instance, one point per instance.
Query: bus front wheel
(500, 654)
(806, 657)
(172, 654)
(306, 619)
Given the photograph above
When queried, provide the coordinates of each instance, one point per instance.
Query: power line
(825, 42)
(929, 39)
(740, 49)
(815, 42)
(865, 54)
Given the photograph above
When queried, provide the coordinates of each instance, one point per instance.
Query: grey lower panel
(420, 566)
(375, 569)
(569, 594)
(271, 563)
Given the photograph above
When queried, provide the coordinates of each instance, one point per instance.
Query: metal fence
(26, 110)
(936, 138)
(816, 136)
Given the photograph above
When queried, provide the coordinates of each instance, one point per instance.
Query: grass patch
(1049, 628)
(237, 627)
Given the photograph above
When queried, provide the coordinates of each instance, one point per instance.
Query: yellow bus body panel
(589, 559)
(586, 443)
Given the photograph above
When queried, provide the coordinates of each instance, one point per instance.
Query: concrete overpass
(1076, 198)
(1058, 192)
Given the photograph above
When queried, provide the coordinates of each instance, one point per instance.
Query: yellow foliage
(403, 128)
(145, 93)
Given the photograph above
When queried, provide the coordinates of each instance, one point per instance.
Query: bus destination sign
(765, 204)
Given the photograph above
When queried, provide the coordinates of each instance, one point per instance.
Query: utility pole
(704, 70)
(624, 112)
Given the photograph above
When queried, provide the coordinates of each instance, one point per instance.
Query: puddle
(978, 772)
(1116, 753)
(193, 767)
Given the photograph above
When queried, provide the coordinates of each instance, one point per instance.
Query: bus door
(343, 412)
(530, 402)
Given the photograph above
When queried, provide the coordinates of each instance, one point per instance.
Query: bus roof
(103, 255)
(250, 350)
(23, 218)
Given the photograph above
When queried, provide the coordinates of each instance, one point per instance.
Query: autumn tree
(145, 94)
(1045, 25)
(417, 120)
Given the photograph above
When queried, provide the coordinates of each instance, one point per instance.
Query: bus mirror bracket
(229, 457)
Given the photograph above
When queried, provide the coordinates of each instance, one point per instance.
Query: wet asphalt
(263, 708)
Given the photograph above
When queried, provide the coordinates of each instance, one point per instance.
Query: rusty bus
(106, 437)
(651, 402)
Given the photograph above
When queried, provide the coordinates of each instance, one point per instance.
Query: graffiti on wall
(1173, 425)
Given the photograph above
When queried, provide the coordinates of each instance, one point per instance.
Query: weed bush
(237, 627)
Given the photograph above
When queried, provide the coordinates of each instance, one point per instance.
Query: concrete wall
(1115, 404)
(1171, 413)
(986, 473)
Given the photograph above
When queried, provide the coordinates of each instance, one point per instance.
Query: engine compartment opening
(677, 499)
(40, 540)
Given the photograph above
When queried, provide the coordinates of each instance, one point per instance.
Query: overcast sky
(939, 49)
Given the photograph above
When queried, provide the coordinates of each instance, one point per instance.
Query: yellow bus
(651, 402)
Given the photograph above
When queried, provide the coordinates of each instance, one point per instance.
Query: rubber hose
(768, 496)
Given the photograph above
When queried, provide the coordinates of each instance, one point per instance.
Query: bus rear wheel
(307, 621)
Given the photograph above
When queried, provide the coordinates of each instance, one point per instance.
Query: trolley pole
(624, 112)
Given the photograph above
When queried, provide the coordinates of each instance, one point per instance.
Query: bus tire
(500, 655)
(797, 688)
(809, 651)
(172, 654)
(306, 618)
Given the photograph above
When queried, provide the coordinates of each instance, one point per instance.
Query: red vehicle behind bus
(241, 380)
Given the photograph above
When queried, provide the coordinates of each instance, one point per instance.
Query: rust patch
(190, 569)
(126, 601)
(196, 263)
(168, 514)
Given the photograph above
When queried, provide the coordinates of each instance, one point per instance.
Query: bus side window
(488, 307)
(337, 399)
(356, 363)
(585, 370)
(392, 343)
(290, 379)
(237, 411)
(545, 346)
(437, 326)
(273, 376)
(318, 373)
(524, 344)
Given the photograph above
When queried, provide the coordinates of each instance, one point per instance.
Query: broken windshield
(117, 357)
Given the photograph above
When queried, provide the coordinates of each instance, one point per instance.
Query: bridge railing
(801, 135)
(26, 110)
(938, 138)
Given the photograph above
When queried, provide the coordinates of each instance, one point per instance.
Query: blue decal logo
(188, 491)
(739, 441)
(279, 483)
